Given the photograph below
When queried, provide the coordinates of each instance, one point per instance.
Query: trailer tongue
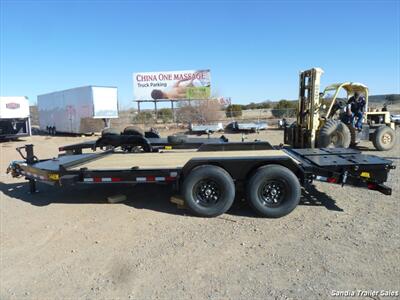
(208, 179)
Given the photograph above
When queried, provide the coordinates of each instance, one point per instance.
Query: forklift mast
(309, 103)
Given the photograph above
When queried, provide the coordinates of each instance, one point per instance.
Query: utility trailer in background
(208, 178)
(79, 110)
(155, 143)
(246, 127)
(14, 117)
(206, 128)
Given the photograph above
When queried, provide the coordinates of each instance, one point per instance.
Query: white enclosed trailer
(14, 117)
(85, 109)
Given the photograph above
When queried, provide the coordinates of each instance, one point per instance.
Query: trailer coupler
(12, 168)
(16, 172)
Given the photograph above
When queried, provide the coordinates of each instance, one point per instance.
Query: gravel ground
(71, 243)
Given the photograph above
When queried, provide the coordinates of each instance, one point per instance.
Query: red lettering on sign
(12, 105)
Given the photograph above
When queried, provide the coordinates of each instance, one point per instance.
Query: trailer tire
(151, 135)
(208, 191)
(110, 131)
(133, 130)
(273, 191)
(384, 138)
(334, 133)
(177, 139)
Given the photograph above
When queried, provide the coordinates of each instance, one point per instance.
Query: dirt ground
(71, 243)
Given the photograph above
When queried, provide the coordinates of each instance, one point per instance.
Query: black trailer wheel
(208, 191)
(133, 130)
(110, 131)
(384, 138)
(273, 191)
(151, 134)
(334, 134)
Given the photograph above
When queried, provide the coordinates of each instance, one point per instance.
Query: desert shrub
(234, 111)
(143, 117)
(165, 114)
(200, 111)
(262, 105)
(285, 108)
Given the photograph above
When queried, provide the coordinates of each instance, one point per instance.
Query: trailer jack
(29, 157)
(344, 177)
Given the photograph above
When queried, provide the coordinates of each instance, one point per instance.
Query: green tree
(284, 108)
(143, 117)
(233, 111)
(286, 104)
(266, 105)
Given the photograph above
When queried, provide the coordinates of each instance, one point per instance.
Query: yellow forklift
(322, 121)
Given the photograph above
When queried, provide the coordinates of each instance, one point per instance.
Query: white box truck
(14, 117)
(79, 110)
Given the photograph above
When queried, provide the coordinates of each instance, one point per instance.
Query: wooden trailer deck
(165, 160)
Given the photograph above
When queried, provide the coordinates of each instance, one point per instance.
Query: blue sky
(254, 49)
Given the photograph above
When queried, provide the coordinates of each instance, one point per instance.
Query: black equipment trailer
(208, 178)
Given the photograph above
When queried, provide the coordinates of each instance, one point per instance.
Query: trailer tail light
(380, 187)
(151, 178)
(327, 179)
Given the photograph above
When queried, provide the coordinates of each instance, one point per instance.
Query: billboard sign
(189, 84)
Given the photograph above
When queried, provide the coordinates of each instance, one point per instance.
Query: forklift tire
(208, 191)
(384, 138)
(133, 130)
(273, 191)
(110, 131)
(177, 139)
(334, 133)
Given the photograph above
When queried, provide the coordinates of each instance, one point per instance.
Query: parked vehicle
(14, 117)
(395, 119)
(322, 120)
(79, 110)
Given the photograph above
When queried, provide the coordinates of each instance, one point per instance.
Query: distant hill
(375, 99)
(390, 98)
